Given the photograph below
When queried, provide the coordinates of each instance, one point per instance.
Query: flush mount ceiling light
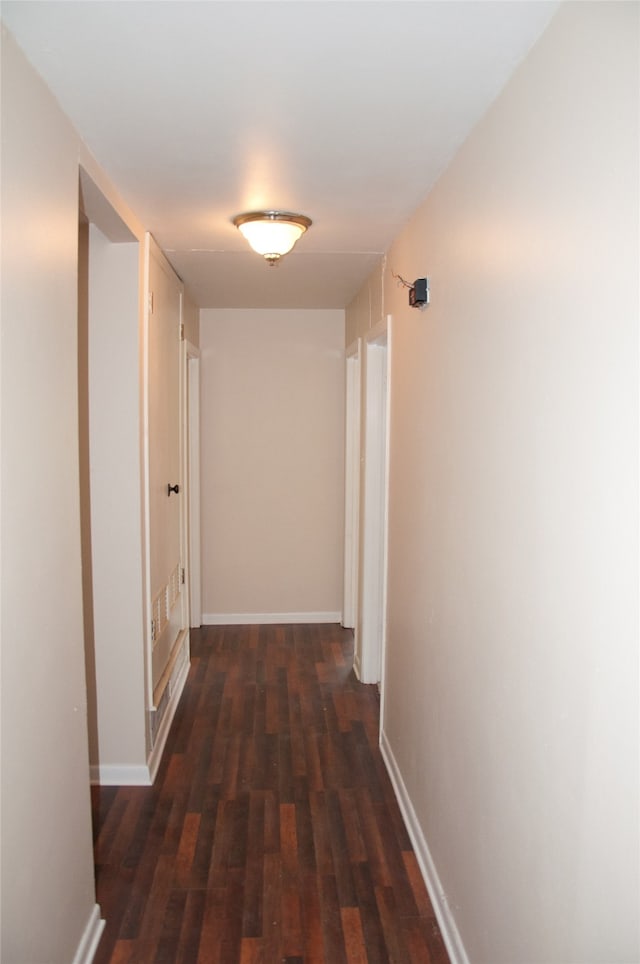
(272, 233)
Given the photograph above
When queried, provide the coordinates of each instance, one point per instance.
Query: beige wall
(272, 428)
(116, 645)
(47, 865)
(511, 695)
(191, 319)
(366, 309)
(48, 898)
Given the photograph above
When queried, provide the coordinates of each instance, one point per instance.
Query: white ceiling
(344, 110)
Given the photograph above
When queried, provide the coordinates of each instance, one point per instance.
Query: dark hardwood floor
(272, 833)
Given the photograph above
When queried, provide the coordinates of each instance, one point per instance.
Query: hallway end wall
(272, 464)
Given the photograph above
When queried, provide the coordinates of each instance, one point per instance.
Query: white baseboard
(177, 686)
(446, 921)
(90, 939)
(252, 619)
(120, 775)
(140, 775)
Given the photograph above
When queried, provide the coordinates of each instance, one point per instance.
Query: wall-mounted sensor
(419, 293)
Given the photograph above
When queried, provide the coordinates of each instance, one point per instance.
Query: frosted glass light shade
(272, 233)
(267, 237)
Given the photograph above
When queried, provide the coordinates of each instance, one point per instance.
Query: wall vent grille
(164, 603)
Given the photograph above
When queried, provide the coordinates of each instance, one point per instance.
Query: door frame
(352, 484)
(191, 475)
(375, 504)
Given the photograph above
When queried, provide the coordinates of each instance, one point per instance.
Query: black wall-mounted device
(419, 293)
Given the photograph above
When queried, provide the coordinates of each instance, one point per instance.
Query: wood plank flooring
(272, 833)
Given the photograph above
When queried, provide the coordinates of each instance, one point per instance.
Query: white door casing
(373, 565)
(192, 484)
(352, 485)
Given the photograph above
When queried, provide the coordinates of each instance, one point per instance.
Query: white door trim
(146, 313)
(192, 477)
(352, 484)
(373, 589)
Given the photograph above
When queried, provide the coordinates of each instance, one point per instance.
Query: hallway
(272, 833)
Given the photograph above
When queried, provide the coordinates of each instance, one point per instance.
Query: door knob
(172, 488)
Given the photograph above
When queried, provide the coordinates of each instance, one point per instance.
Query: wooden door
(166, 491)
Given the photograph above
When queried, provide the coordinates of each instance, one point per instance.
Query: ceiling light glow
(272, 233)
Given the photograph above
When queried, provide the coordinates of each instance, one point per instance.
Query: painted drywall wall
(48, 894)
(115, 505)
(511, 687)
(272, 462)
(85, 487)
(366, 309)
(191, 319)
